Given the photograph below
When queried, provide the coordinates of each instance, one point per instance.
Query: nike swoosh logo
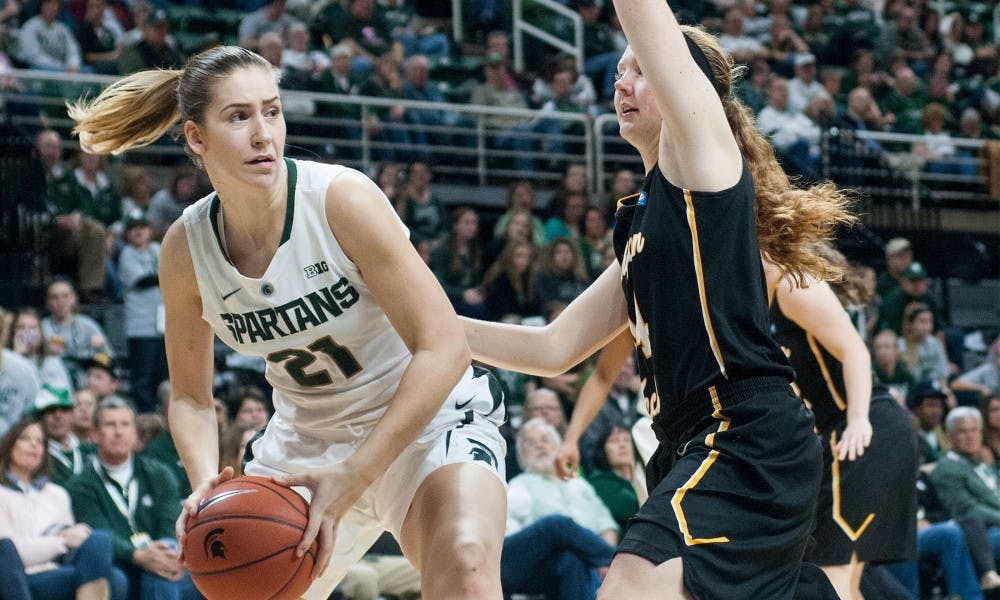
(461, 405)
(231, 293)
(220, 497)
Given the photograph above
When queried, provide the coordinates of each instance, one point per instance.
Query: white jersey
(332, 355)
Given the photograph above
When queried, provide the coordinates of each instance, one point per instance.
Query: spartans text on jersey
(311, 310)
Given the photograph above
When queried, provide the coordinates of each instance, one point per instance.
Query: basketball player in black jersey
(734, 480)
(867, 502)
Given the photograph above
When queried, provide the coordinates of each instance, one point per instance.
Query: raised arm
(593, 319)
(591, 400)
(697, 149)
(817, 310)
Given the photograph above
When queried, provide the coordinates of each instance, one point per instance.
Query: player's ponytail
(132, 112)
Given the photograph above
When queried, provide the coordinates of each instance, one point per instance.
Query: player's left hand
(857, 436)
(334, 492)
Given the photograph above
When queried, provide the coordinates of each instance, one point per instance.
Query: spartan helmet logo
(482, 452)
(214, 548)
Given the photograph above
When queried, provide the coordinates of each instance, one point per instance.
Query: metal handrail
(522, 27)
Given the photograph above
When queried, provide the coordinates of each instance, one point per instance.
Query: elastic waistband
(695, 412)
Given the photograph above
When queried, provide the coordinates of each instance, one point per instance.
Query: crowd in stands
(82, 412)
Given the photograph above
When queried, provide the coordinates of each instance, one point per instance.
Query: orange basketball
(241, 543)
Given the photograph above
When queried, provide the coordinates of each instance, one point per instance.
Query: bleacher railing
(467, 143)
(890, 169)
(523, 27)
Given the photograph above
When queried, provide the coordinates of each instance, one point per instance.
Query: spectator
(937, 146)
(458, 264)
(791, 133)
(103, 376)
(47, 43)
(888, 368)
(72, 336)
(595, 235)
(921, 351)
(562, 276)
(143, 538)
(783, 44)
(623, 184)
(984, 379)
(500, 90)
(301, 65)
(390, 179)
(863, 114)
(599, 53)
(803, 87)
(232, 447)
(406, 28)
(510, 285)
(402, 140)
(927, 403)
(48, 145)
(556, 557)
(498, 42)
(63, 559)
(521, 198)
(270, 17)
(249, 408)
(357, 24)
(743, 48)
(968, 486)
(18, 387)
(168, 203)
(753, 89)
(27, 342)
(544, 404)
(903, 38)
(581, 91)
(566, 210)
(341, 79)
(914, 286)
(898, 256)
(536, 492)
(53, 408)
(424, 214)
(554, 132)
(137, 189)
(84, 403)
(618, 477)
(153, 51)
(906, 100)
(140, 11)
(80, 245)
(418, 86)
(620, 408)
(98, 42)
(137, 267)
(87, 189)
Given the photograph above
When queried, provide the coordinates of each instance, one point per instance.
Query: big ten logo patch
(316, 269)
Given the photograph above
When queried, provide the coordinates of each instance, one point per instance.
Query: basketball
(241, 542)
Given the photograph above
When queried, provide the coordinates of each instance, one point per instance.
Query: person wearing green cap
(913, 287)
(54, 409)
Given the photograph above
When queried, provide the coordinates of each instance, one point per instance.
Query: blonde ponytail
(132, 112)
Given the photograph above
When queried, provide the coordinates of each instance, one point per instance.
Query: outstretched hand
(190, 506)
(857, 436)
(568, 460)
(334, 492)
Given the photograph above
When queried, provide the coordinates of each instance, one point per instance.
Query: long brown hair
(524, 283)
(137, 110)
(850, 288)
(791, 221)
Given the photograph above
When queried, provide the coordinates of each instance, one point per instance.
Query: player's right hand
(568, 460)
(190, 507)
(334, 491)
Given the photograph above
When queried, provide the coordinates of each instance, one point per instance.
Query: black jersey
(819, 376)
(696, 295)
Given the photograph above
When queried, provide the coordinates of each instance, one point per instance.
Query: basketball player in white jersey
(378, 416)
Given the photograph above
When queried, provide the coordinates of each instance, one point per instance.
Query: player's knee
(470, 567)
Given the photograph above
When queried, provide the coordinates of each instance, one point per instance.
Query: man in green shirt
(136, 499)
